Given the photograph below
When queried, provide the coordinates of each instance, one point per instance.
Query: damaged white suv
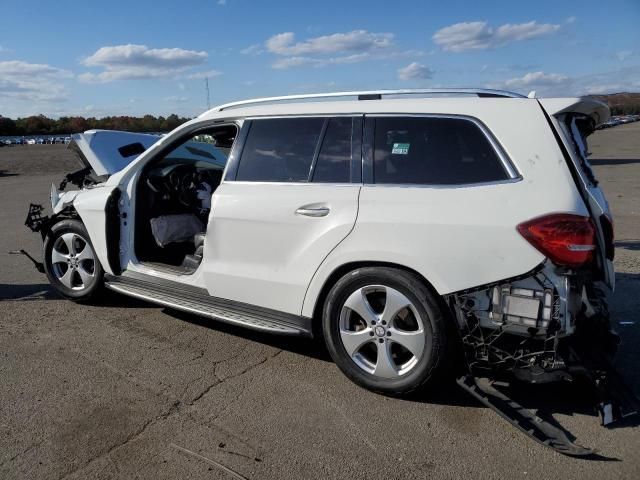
(403, 226)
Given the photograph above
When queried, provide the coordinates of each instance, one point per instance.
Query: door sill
(166, 268)
(197, 300)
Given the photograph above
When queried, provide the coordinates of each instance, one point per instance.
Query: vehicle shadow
(5, 173)
(40, 291)
(309, 347)
(614, 161)
(44, 291)
(633, 245)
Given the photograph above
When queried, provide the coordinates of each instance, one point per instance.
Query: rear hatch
(574, 119)
(109, 151)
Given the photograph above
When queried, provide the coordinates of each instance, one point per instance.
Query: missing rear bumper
(543, 327)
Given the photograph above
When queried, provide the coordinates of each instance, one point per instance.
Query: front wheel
(70, 261)
(385, 330)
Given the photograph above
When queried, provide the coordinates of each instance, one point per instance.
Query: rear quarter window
(433, 151)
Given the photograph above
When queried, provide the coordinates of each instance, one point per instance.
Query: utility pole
(206, 85)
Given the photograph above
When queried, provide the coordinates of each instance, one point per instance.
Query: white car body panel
(259, 251)
(90, 205)
(60, 200)
(595, 196)
(100, 148)
(465, 236)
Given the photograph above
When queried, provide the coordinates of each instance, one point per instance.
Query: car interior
(173, 199)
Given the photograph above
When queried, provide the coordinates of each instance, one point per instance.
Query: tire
(70, 261)
(362, 320)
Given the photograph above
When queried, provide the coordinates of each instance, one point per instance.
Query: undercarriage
(549, 325)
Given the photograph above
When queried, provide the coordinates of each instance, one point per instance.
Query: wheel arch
(67, 213)
(339, 272)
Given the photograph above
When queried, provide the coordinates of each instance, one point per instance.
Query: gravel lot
(128, 390)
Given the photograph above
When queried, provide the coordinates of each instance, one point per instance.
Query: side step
(197, 300)
(531, 425)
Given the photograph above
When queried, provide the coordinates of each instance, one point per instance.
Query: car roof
(432, 101)
(338, 102)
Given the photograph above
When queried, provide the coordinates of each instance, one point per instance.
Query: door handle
(313, 212)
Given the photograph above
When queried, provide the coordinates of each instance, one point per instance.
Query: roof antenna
(206, 86)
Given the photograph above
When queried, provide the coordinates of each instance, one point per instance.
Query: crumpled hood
(109, 151)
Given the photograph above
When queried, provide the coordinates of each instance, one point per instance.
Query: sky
(136, 57)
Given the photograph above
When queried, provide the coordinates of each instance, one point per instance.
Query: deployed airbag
(168, 229)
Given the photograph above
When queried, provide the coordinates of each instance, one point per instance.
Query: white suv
(403, 226)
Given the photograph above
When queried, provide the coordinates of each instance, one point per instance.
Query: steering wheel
(183, 183)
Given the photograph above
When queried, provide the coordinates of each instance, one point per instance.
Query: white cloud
(222, 2)
(480, 35)
(19, 69)
(132, 62)
(355, 41)
(289, 62)
(415, 71)
(571, 19)
(335, 49)
(255, 49)
(537, 79)
(625, 79)
(32, 81)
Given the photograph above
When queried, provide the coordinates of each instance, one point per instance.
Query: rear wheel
(384, 329)
(70, 261)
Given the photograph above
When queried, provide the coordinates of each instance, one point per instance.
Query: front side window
(433, 151)
(280, 150)
(208, 148)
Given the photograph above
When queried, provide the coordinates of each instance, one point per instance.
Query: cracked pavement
(125, 389)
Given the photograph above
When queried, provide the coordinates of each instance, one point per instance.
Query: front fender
(90, 205)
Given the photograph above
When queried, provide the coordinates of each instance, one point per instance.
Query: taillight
(566, 239)
(606, 222)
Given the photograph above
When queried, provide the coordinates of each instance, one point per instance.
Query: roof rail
(373, 95)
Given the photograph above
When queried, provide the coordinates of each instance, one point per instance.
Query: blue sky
(134, 57)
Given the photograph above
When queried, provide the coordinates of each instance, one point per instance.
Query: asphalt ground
(125, 389)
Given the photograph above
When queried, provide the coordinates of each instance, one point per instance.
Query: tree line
(41, 125)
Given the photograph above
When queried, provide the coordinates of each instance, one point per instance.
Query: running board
(198, 301)
(531, 425)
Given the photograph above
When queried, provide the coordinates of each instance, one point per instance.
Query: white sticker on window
(400, 149)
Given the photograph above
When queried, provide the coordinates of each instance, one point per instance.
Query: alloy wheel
(381, 330)
(73, 261)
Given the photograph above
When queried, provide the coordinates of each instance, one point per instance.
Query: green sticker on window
(400, 149)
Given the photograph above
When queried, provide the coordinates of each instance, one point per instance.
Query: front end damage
(549, 325)
(100, 153)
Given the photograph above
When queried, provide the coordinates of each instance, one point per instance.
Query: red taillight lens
(566, 239)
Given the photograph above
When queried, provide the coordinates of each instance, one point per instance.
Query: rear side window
(280, 150)
(433, 151)
(334, 161)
